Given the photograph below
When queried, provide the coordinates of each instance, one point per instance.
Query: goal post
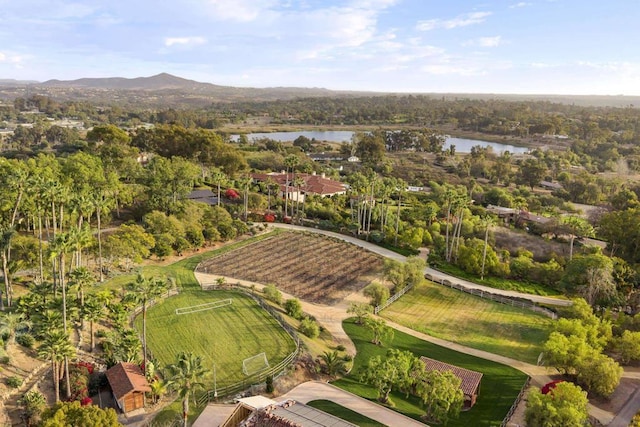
(206, 306)
(255, 364)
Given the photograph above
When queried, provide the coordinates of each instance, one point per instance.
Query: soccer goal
(205, 306)
(254, 364)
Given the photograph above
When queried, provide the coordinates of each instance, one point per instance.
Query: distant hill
(162, 81)
(168, 90)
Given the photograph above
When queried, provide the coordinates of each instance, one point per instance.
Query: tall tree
(56, 347)
(186, 377)
(143, 290)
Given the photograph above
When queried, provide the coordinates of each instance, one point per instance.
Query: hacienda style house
(288, 184)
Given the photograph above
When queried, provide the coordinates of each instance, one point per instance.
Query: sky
(421, 46)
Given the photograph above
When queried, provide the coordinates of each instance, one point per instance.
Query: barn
(128, 385)
(470, 379)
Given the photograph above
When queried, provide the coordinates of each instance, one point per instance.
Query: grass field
(472, 321)
(499, 388)
(344, 413)
(224, 336)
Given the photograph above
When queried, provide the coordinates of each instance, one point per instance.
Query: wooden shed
(128, 385)
(470, 384)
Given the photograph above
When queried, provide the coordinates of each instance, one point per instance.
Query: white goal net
(205, 306)
(254, 364)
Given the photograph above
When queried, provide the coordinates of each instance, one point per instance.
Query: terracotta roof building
(313, 184)
(470, 384)
(128, 385)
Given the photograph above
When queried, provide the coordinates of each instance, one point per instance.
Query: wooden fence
(498, 298)
(524, 388)
(378, 308)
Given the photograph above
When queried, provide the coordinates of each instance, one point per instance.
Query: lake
(462, 145)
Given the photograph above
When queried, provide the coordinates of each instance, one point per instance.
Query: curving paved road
(435, 273)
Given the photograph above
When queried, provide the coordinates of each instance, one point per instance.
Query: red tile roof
(470, 379)
(316, 184)
(125, 378)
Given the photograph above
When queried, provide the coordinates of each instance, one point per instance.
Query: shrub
(293, 308)
(25, 340)
(340, 347)
(272, 293)
(13, 382)
(5, 360)
(269, 384)
(309, 327)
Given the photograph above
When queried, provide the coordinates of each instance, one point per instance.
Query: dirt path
(437, 274)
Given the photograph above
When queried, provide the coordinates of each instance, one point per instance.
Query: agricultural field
(224, 336)
(472, 321)
(498, 390)
(312, 267)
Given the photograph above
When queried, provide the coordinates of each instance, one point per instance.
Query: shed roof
(125, 378)
(470, 379)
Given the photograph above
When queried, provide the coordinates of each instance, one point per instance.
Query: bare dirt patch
(309, 266)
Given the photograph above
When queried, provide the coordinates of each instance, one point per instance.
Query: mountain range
(168, 90)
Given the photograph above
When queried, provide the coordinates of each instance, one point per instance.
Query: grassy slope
(499, 388)
(472, 321)
(344, 413)
(224, 336)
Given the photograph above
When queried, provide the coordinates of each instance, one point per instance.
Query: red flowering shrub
(269, 217)
(231, 194)
(86, 401)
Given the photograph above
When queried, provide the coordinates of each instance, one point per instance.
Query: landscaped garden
(498, 390)
(310, 266)
(223, 336)
(472, 321)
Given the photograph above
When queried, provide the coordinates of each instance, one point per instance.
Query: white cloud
(184, 41)
(448, 24)
(11, 58)
(484, 42)
(240, 10)
(520, 4)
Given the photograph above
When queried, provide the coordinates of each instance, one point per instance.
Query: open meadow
(498, 390)
(222, 336)
(472, 321)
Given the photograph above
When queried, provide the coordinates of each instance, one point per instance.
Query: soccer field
(225, 335)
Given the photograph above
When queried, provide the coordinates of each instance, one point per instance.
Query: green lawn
(344, 413)
(224, 336)
(499, 388)
(472, 321)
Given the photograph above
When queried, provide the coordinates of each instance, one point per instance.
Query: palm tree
(333, 363)
(158, 389)
(93, 311)
(80, 279)
(219, 178)
(488, 222)
(62, 245)
(142, 291)
(10, 323)
(56, 347)
(102, 204)
(291, 161)
(186, 377)
(5, 243)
